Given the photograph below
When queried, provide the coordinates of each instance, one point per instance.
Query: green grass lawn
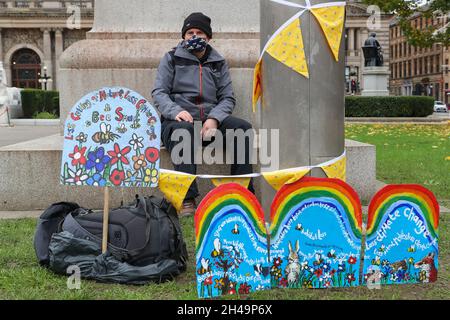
(410, 153)
(405, 154)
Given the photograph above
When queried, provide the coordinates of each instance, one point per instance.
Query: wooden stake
(105, 220)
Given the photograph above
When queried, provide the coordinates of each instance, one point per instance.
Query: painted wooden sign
(111, 138)
(402, 236)
(315, 235)
(315, 238)
(231, 245)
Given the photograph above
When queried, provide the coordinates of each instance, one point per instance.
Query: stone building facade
(33, 34)
(418, 71)
(361, 20)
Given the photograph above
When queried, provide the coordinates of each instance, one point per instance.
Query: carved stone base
(375, 81)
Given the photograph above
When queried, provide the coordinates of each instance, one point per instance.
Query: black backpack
(147, 232)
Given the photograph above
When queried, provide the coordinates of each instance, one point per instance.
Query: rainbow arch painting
(314, 238)
(231, 244)
(315, 231)
(402, 236)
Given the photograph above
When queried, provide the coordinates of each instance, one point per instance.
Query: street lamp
(45, 79)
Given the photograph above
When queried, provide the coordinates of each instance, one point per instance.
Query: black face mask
(195, 44)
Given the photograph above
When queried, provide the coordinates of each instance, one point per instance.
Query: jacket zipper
(201, 93)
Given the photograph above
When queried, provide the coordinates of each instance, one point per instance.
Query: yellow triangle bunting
(287, 47)
(257, 84)
(174, 186)
(331, 20)
(336, 170)
(241, 181)
(278, 179)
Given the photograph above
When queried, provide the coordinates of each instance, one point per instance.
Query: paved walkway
(16, 134)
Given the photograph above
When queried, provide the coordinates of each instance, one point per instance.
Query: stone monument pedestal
(375, 81)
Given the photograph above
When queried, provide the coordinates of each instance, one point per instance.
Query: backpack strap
(180, 252)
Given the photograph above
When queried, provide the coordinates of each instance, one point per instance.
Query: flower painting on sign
(111, 138)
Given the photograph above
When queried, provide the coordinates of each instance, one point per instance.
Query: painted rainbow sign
(231, 244)
(315, 231)
(402, 236)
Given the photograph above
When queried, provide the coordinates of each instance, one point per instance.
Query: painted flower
(318, 273)
(351, 260)
(152, 155)
(304, 265)
(260, 288)
(341, 267)
(97, 159)
(411, 261)
(407, 277)
(132, 177)
(77, 177)
(117, 177)
(119, 155)
(96, 180)
(275, 272)
(350, 278)
(307, 284)
(327, 276)
(151, 176)
(401, 275)
(78, 156)
(208, 281)
(139, 162)
(385, 263)
(244, 288)
(394, 277)
(283, 282)
(326, 266)
(219, 283)
(82, 138)
(332, 272)
(277, 261)
(136, 142)
(327, 284)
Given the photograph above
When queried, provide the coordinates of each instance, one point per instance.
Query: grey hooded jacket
(183, 83)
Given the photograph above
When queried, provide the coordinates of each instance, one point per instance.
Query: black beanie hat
(197, 20)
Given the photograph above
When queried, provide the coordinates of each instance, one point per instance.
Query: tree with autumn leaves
(404, 10)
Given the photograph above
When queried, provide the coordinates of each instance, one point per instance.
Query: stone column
(1, 46)
(309, 113)
(47, 56)
(351, 41)
(58, 51)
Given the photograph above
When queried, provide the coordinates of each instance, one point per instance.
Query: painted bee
(318, 260)
(205, 267)
(217, 252)
(382, 248)
(299, 227)
(412, 249)
(104, 136)
(331, 254)
(122, 128)
(235, 229)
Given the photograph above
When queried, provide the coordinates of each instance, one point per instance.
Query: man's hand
(184, 116)
(209, 128)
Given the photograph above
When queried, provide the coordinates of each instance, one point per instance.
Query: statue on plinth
(372, 50)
